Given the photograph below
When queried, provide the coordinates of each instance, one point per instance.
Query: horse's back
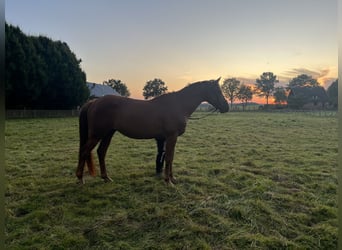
(133, 118)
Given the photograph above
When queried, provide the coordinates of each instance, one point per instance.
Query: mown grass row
(245, 181)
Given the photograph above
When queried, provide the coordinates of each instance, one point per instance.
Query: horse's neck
(190, 100)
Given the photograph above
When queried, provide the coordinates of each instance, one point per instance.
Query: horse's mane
(196, 84)
(185, 89)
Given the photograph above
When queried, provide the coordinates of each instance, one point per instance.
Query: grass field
(245, 181)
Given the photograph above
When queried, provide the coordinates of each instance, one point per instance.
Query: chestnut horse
(163, 118)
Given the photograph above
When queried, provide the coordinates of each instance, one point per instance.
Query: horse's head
(216, 98)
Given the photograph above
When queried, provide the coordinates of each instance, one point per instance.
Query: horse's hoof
(169, 182)
(173, 180)
(80, 181)
(107, 179)
(159, 175)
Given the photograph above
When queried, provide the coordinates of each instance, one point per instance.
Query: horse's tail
(83, 129)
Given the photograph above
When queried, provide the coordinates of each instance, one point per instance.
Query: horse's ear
(218, 79)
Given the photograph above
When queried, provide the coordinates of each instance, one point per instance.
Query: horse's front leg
(170, 150)
(160, 156)
(101, 153)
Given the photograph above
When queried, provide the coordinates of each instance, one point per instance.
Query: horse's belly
(140, 131)
(138, 134)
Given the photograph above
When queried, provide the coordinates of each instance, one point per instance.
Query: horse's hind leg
(80, 169)
(160, 156)
(90, 164)
(101, 152)
(84, 155)
(170, 150)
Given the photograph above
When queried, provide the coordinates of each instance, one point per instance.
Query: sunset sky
(183, 41)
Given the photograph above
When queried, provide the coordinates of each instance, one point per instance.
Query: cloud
(299, 71)
(247, 80)
(323, 76)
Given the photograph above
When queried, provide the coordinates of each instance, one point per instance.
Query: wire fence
(25, 113)
(20, 114)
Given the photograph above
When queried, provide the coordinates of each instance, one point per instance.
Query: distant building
(307, 97)
(98, 90)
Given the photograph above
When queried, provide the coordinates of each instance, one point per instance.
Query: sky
(184, 41)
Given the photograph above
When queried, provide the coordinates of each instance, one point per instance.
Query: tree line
(265, 86)
(233, 89)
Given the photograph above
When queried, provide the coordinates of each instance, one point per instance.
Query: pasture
(245, 181)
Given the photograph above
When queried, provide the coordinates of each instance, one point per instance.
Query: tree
(333, 93)
(303, 80)
(307, 96)
(19, 64)
(118, 86)
(244, 94)
(154, 88)
(265, 85)
(41, 73)
(280, 95)
(230, 88)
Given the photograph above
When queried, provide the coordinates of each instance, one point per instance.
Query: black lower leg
(160, 156)
(160, 162)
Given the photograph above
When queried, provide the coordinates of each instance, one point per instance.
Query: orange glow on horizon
(262, 100)
(259, 99)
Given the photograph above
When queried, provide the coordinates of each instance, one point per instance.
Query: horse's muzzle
(224, 108)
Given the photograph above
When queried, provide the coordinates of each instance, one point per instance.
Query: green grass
(245, 181)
